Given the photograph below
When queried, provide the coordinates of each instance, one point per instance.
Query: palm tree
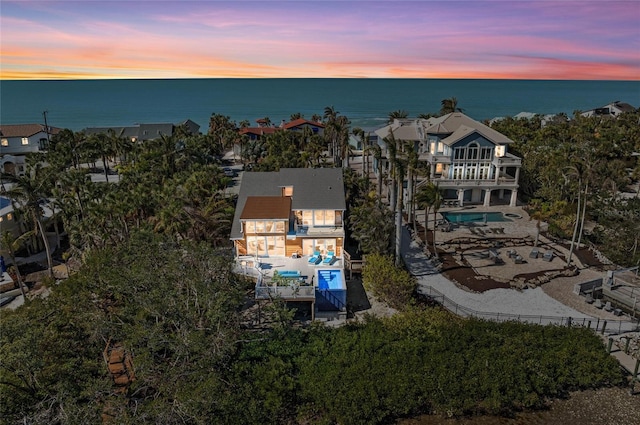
(10, 245)
(412, 167)
(27, 191)
(399, 114)
(449, 105)
(119, 145)
(423, 200)
(377, 155)
(399, 172)
(429, 197)
(358, 132)
(538, 215)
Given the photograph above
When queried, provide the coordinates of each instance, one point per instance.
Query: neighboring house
(8, 220)
(256, 133)
(468, 160)
(17, 140)
(263, 129)
(143, 132)
(613, 109)
(301, 124)
(286, 217)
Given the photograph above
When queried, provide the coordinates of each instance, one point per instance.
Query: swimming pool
(471, 217)
(330, 279)
(4, 202)
(331, 292)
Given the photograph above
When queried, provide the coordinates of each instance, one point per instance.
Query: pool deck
(518, 235)
(270, 264)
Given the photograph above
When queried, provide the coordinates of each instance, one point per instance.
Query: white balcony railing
(505, 182)
(288, 292)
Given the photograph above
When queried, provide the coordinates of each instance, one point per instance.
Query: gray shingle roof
(313, 188)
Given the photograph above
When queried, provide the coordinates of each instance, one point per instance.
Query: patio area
(264, 267)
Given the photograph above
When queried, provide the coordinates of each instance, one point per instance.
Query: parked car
(229, 172)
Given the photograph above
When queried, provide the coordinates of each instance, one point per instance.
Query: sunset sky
(594, 40)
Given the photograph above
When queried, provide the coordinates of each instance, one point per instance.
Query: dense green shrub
(392, 285)
(175, 307)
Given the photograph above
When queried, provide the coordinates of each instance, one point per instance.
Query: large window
(263, 226)
(318, 217)
(5, 142)
(309, 246)
(472, 151)
(266, 246)
(25, 140)
(325, 218)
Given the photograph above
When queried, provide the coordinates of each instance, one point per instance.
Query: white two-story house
(18, 140)
(468, 160)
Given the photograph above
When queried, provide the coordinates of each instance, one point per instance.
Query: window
(307, 218)
(252, 227)
(472, 151)
(5, 142)
(499, 151)
(287, 191)
(438, 168)
(25, 140)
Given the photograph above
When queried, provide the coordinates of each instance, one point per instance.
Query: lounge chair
(589, 299)
(608, 307)
(329, 259)
(598, 303)
(316, 258)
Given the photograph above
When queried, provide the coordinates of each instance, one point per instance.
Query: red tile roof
(259, 131)
(302, 121)
(24, 130)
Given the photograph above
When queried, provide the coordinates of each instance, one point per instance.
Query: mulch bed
(468, 278)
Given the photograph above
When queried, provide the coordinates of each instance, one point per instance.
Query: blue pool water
(330, 279)
(4, 202)
(470, 217)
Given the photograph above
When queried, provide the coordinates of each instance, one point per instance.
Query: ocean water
(366, 102)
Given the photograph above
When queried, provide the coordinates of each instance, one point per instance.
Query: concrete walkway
(528, 302)
(507, 301)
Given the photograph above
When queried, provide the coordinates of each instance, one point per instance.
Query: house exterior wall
(302, 238)
(23, 144)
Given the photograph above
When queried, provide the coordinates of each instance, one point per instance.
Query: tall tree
(398, 114)
(11, 244)
(449, 105)
(27, 191)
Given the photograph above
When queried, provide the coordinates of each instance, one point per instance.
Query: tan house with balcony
(288, 232)
(294, 211)
(469, 161)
